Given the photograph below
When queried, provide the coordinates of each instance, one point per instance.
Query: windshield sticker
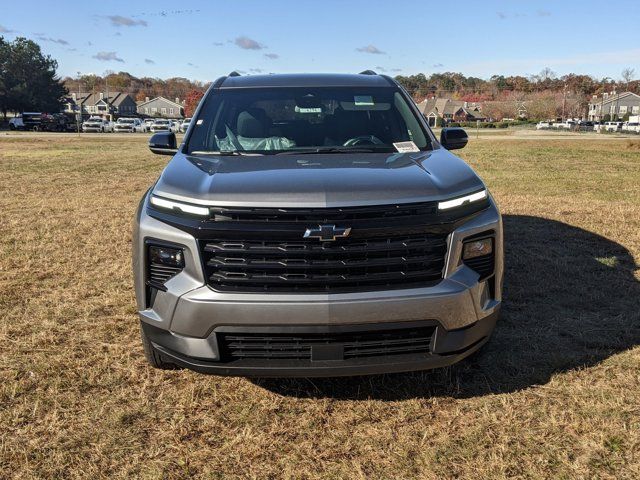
(363, 100)
(308, 110)
(199, 122)
(406, 147)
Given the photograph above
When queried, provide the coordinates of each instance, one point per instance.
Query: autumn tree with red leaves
(191, 102)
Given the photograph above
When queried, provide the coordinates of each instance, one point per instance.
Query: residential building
(616, 106)
(161, 107)
(116, 104)
(444, 110)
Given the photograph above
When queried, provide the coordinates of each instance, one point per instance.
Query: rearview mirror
(453, 138)
(163, 143)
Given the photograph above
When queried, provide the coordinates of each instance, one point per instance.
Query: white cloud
(108, 57)
(247, 43)
(120, 21)
(370, 49)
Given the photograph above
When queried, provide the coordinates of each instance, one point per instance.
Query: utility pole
(106, 82)
(564, 100)
(79, 105)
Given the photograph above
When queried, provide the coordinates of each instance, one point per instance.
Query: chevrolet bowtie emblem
(327, 233)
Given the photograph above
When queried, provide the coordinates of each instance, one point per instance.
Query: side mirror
(453, 138)
(163, 143)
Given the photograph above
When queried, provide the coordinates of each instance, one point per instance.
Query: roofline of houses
(179, 105)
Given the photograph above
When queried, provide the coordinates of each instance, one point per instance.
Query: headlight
(180, 207)
(458, 202)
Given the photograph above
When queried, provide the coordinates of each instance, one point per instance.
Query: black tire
(153, 356)
(12, 126)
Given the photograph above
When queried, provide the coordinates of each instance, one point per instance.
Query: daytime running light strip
(457, 202)
(183, 207)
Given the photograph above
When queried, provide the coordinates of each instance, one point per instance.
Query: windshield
(125, 120)
(162, 122)
(318, 120)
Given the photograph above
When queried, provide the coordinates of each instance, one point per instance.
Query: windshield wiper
(221, 152)
(384, 149)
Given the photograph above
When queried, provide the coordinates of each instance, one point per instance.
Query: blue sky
(203, 40)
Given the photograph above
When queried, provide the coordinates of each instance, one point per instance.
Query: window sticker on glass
(362, 100)
(406, 147)
(199, 122)
(308, 109)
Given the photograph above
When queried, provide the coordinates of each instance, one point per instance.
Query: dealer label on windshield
(406, 147)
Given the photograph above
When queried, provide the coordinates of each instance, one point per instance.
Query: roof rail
(368, 72)
(233, 74)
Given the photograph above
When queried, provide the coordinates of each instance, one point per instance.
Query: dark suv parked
(312, 225)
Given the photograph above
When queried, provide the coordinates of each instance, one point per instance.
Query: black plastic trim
(449, 347)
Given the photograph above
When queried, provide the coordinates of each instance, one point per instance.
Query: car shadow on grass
(570, 301)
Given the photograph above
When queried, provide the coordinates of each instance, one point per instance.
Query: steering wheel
(363, 140)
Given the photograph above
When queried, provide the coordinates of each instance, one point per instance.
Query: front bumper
(203, 354)
(183, 321)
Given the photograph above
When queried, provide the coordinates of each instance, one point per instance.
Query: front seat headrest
(252, 123)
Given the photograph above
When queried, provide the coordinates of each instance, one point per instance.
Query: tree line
(458, 86)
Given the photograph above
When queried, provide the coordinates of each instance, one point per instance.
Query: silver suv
(312, 225)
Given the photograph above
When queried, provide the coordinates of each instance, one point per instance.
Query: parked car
(131, 125)
(613, 126)
(26, 121)
(148, 122)
(56, 122)
(346, 240)
(631, 127)
(566, 125)
(162, 124)
(543, 125)
(185, 125)
(176, 125)
(97, 124)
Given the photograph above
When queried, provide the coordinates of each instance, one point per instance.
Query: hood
(316, 180)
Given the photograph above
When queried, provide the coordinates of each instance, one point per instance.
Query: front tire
(153, 356)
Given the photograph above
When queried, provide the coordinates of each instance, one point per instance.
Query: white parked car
(97, 124)
(162, 125)
(185, 125)
(631, 127)
(148, 123)
(543, 125)
(132, 125)
(566, 125)
(613, 126)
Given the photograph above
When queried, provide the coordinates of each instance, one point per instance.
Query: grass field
(555, 394)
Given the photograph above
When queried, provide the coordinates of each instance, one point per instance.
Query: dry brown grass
(555, 394)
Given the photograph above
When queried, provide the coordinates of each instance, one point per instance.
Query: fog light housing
(477, 248)
(170, 257)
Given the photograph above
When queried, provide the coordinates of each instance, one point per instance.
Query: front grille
(307, 265)
(300, 346)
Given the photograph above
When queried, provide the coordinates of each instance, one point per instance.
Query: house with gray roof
(438, 111)
(116, 104)
(616, 106)
(161, 107)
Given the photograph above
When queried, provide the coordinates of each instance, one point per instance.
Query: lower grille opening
(299, 346)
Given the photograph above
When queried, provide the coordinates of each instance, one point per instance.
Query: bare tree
(627, 75)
